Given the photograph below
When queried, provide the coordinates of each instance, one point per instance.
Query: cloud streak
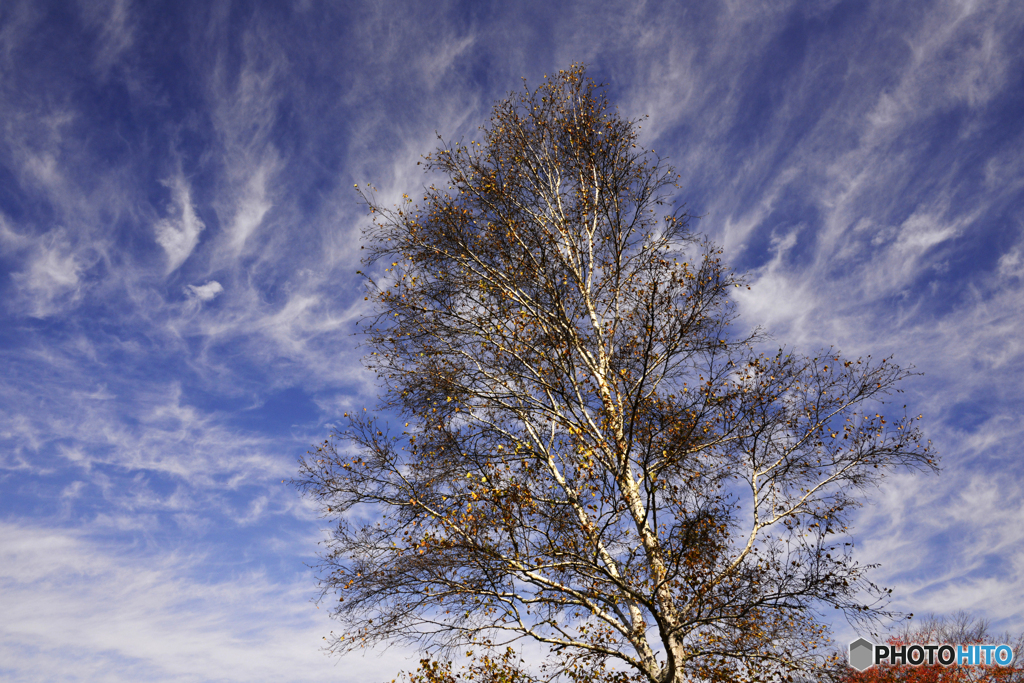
(179, 233)
(79, 611)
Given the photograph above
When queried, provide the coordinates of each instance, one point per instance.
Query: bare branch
(591, 458)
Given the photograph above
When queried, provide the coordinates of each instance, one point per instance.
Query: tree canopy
(573, 445)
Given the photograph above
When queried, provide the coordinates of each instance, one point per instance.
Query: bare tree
(590, 458)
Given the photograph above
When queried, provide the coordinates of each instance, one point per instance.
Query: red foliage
(933, 673)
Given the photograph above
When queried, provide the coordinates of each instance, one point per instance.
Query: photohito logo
(865, 654)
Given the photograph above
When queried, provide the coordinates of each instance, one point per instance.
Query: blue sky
(179, 240)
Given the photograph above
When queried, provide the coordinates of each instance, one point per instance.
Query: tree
(960, 629)
(590, 457)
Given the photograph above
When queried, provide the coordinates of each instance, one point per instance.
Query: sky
(179, 237)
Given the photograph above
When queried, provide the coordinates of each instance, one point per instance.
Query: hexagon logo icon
(862, 654)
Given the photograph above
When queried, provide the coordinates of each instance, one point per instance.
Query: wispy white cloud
(115, 21)
(205, 292)
(16, 30)
(245, 108)
(252, 205)
(79, 610)
(948, 547)
(148, 452)
(878, 234)
(1011, 263)
(10, 239)
(51, 280)
(178, 233)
